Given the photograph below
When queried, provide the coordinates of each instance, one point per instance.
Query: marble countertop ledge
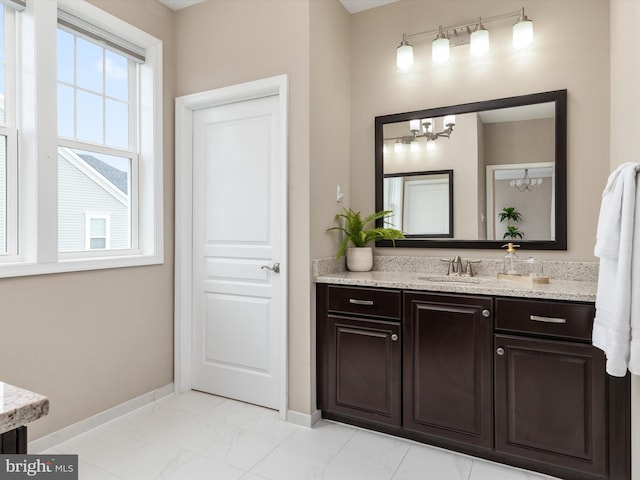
(19, 407)
(571, 290)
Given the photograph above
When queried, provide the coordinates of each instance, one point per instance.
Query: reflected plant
(510, 214)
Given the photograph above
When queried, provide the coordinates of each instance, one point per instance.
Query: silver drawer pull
(355, 301)
(537, 318)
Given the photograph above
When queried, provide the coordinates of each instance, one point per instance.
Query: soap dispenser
(511, 260)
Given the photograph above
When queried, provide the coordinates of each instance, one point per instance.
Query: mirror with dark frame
(509, 157)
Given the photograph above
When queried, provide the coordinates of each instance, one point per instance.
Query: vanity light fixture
(523, 32)
(479, 41)
(404, 57)
(526, 183)
(440, 47)
(473, 33)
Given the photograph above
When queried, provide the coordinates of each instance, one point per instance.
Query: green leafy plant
(353, 227)
(510, 214)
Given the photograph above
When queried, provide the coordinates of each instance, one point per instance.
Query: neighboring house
(93, 204)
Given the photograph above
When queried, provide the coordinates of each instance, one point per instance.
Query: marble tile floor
(196, 436)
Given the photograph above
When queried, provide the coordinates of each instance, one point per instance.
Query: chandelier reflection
(526, 183)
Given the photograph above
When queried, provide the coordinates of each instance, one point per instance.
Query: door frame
(183, 276)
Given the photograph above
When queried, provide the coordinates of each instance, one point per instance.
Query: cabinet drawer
(558, 319)
(371, 302)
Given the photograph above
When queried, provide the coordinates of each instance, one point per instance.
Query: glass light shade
(397, 147)
(449, 120)
(431, 145)
(440, 50)
(414, 125)
(415, 147)
(404, 57)
(523, 33)
(479, 42)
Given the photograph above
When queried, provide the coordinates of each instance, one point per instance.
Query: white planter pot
(360, 259)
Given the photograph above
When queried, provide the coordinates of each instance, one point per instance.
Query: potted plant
(360, 257)
(510, 214)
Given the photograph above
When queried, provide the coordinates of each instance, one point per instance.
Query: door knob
(394, 337)
(486, 313)
(274, 269)
(500, 351)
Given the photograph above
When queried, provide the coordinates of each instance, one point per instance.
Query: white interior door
(239, 232)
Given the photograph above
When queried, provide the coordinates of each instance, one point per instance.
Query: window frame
(37, 142)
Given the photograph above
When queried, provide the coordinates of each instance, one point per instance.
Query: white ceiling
(353, 6)
(178, 4)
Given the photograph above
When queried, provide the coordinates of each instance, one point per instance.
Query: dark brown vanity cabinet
(360, 366)
(512, 380)
(447, 379)
(554, 402)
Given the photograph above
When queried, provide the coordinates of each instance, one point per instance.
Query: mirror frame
(559, 97)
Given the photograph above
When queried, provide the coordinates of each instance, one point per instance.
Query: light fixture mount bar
(464, 26)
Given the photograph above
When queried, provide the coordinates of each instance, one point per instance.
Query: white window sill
(8, 270)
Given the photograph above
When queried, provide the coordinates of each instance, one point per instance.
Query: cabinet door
(364, 369)
(551, 402)
(448, 370)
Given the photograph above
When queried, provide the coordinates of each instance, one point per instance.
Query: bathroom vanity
(477, 365)
(18, 407)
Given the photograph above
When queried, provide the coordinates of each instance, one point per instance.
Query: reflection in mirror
(421, 203)
(505, 153)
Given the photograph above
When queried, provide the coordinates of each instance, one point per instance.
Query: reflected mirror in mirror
(505, 154)
(421, 203)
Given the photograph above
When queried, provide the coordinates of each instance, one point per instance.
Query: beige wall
(92, 340)
(571, 51)
(625, 130)
(225, 42)
(330, 122)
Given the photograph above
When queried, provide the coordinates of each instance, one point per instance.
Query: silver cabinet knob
(394, 337)
(486, 313)
(500, 351)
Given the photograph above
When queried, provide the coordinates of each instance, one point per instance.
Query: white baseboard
(303, 419)
(51, 440)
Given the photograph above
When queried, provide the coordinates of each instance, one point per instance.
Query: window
(98, 231)
(86, 190)
(8, 136)
(97, 90)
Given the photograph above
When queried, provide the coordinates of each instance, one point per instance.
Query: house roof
(115, 176)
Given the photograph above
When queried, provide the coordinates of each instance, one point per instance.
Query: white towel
(618, 246)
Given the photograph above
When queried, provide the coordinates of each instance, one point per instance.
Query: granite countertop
(572, 281)
(556, 289)
(19, 407)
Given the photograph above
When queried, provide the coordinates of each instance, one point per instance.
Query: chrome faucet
(454, 266)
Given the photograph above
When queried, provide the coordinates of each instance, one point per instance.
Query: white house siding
(79, 194)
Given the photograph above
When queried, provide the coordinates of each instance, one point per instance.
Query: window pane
(3, 116)
(89, 65)
(116, 76)
(89, 117)
(98, 227)
(2, 53)
(65, 57)
(117, 128)
(3, 194)
(65, 111)
(98, 244)
(92, 182)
